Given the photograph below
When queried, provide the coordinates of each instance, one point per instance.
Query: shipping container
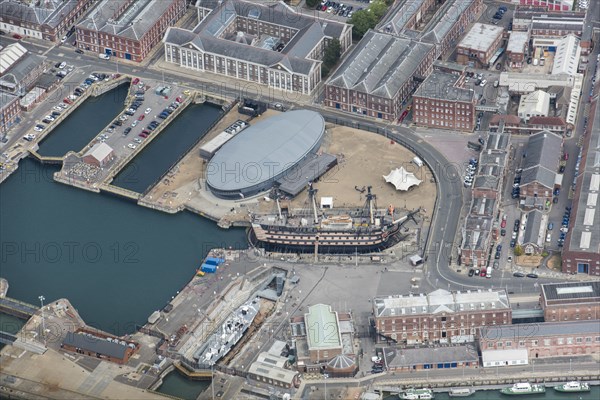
(214, 261)
(211, 269)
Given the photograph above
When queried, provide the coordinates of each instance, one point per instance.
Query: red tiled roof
(508, 119)
(546, 121)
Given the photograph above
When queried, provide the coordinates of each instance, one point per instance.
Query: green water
(176, 385)
(148, 166)
(81, 126)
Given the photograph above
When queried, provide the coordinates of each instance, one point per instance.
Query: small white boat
(461, 392)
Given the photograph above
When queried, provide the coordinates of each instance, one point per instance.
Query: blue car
(550, 226)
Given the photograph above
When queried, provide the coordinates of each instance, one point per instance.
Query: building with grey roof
(517, 48)
(581, 251)
(479, 45)
(378, 75)
(271, 370)
(440, 316)
(420, 358)
(106, 348)
(543, 340)
(268, 44)
(541, 161)
(405, 15)
(542, 22)
(441, 102)
(19, 69)
(476, 240)
(9, 112)
(47, 20)
(570, 301)
(535, 232)
(253, 160)
(127, 29)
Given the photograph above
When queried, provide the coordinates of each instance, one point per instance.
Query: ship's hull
(571, 390)
(306, 240)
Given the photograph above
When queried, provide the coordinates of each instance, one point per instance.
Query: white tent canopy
(402, 179)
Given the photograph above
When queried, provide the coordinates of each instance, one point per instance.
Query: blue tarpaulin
(214, 261)
(209, 268)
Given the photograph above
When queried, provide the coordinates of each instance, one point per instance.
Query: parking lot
(340, 11)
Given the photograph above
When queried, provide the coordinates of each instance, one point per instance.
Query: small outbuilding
(502, 358)
(99, 155)
(402, 179)
(341, 366)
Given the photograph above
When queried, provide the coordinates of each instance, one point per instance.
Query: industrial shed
(99, 155)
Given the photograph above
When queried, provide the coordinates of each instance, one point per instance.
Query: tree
(331, 56)
(378, 8)
(362, 21)
(519, 251)
(312, 3)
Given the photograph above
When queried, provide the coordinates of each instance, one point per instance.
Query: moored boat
(573, 387)
(523, 388)
(416, 394)
(461, 392)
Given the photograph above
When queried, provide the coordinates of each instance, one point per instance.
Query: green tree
(331, 56)
(312, 3)
(378, 8)
(362, 21)
(519, 251)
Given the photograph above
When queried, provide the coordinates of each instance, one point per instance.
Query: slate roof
(543, 157)
(136, 19)
(95, 344)
(444, 19)
(532, 229)
(380, 64)
(206, 36)
(541, 330)
(399, 15)
(441, 85)
(438, 355)
(50, 12)
(587, 292)
(440, 301)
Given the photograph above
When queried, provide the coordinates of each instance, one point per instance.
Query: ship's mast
(370, 198)
(313, 198)
(279, 208)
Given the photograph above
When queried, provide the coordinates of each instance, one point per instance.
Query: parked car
(471, 272)
(518, 275)
(532, 275)
(513, 243)
(126, 131)
(503, 223)
(78, 51)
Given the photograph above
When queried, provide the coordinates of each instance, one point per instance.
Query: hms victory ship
(329, 231)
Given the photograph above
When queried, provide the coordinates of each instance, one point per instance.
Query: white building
(534, 104)
(502, 358)
(566, 59)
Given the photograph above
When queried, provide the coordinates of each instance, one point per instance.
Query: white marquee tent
(402, 179)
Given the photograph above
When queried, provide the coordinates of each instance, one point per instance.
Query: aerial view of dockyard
(303, 199)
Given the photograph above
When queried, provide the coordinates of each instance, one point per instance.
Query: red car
(503, 224)
(17, 36)
(65, 100)
(179, 100)
(141, 117)
(143, 135)
(135, 81)
(404, 114)
(482, 274)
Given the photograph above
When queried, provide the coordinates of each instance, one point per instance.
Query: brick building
(581, 251)
(99, 346)
(265, 44)
(441, 102)
(570, 301)
(47, 20)
(9, 112)
(479, 45)
(440, 316)
(378, 75)
(128, 29)
(19, 69)
(543, 340)
(321, 335)
(517, 49)
(540, 165)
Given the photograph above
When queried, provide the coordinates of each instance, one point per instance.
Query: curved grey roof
(265, 151)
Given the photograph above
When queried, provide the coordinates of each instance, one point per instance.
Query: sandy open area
(363, 159)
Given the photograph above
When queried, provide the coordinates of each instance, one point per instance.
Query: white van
(103, 56)
(418, 162)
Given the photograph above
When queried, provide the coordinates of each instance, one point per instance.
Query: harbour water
(147, 167)
(176, 385)
(550, 394)
(90, 118)
(115, 261)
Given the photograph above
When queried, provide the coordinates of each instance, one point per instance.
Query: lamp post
(325, 378)
(42, 298)
(212, 380)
